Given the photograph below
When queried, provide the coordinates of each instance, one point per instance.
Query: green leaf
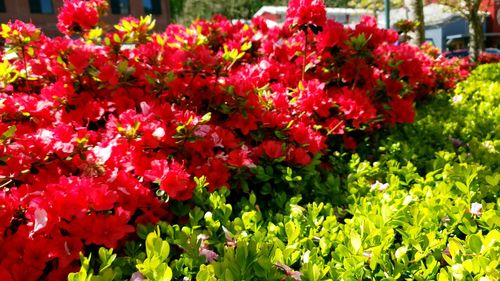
(292, 231)
(493, 180)
(166, 274)
(443, 275)
(9, 133)
(462, 187)
(205, 118)
(106, 257)
(228, 276)
(116, 38)
(156, 247)
(356, 242)
(455, 247)
(475, 243)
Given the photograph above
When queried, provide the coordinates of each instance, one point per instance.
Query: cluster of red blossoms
(77, 16)
(91, 131)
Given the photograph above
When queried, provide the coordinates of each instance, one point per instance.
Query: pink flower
(209, 254)
(136, 276)
(204, 251)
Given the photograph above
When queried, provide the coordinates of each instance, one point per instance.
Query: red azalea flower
(239, 158)
(350, 143)
(306, 12)
(173, 179)
(333, 35)
(402, 110)
(356, 105)
(4, 274)
(77, 16)
(298, 155)
(273, 149)
(217, 173)
(106, 230)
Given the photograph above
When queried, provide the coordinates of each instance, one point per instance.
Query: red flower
(312, 98)
(402, 110)
(350, 143)
(77, 16)
(217, 173)
(4, 274)
(273, 149)
(104, 230)
(306, 12)
(173, 179)
(239, 158)
(333, 35)
(356, 105)
(298, 155)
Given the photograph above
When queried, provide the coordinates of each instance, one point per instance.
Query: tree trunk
(416, 14)
(476, 42)
(419, 11)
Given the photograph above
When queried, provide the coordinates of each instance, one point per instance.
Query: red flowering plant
(96, 138)
(485, 58)
(76, 16)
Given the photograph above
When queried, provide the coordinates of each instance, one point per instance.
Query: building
(492, 34)
(43, 13)
(440, 23)
(347, 16)
(447, 29)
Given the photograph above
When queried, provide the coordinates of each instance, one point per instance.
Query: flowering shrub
(97, 137)
(485, 58)
(426, 209)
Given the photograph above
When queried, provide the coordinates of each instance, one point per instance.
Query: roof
(276, 15)
(329, 11)
(434, 14)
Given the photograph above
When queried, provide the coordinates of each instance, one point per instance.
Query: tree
(184, 11)
(375, 6)
(416, 14)
(337, 3)
(476, 36)
(471, 11)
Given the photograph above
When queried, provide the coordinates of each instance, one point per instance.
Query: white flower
(202, 237)
(379, 186)
(476, 209)
(457, 98)
(458, 271)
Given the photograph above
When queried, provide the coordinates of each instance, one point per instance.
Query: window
(120, 7)
(41, 7)
(152, 7)
(2, 6)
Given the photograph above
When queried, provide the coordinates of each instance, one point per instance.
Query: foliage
(100, 132)
(185, 11)
(436, 222)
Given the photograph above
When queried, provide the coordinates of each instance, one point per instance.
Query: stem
(26, 69)
(6, 183)
(304, 56)
(335, 128)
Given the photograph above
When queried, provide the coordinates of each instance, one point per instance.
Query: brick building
(43, 13)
